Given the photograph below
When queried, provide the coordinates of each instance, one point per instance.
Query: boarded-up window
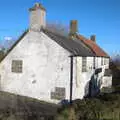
(17, 66)
(58, 94)
(84, 64)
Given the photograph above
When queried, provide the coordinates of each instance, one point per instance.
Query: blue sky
(99, 17)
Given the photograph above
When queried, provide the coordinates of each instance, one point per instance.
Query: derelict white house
(51, 67)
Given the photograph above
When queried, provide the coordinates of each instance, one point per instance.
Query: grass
(15, 107)
(103, 107)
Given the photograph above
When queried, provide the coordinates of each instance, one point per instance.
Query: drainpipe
(71, 78)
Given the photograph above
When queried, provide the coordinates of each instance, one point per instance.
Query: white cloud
(8, 38)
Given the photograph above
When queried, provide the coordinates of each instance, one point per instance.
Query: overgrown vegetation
(115, 67)
(2, 53)
(103, 107)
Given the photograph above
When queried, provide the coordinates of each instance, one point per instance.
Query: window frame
(17, 66)
(104, 61)
(84, 64)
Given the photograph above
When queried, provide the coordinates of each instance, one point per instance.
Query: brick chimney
(93, 38)
(73, 28)
(37, 17)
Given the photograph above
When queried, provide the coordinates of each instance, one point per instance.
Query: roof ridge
(74, 47)
(71, 45)
(93, 46)
(88, 46)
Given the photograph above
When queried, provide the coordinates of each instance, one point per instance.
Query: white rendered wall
(83, 78)
(46, 65)
(105, 80)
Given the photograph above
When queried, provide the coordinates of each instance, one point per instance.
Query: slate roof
(76, 48)
(93, 46)
(73, 46)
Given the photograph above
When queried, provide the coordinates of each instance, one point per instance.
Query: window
(17, 66)
(96, 62)
(102, 61)
(84, 64)
(107, 72)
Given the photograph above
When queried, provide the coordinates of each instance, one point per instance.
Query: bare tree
(116, 60)
(2, 53)
(58, 28)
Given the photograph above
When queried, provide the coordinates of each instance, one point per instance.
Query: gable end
(20, 38)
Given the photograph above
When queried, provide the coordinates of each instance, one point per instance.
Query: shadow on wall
(92, 87)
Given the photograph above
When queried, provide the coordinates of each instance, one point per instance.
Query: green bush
(103, 107)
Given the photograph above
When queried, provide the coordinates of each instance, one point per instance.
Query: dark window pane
(84, 64)
(17, 66)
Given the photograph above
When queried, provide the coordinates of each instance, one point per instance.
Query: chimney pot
(93, 38)
(37, 5)
(37, 17)
(73, 27)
